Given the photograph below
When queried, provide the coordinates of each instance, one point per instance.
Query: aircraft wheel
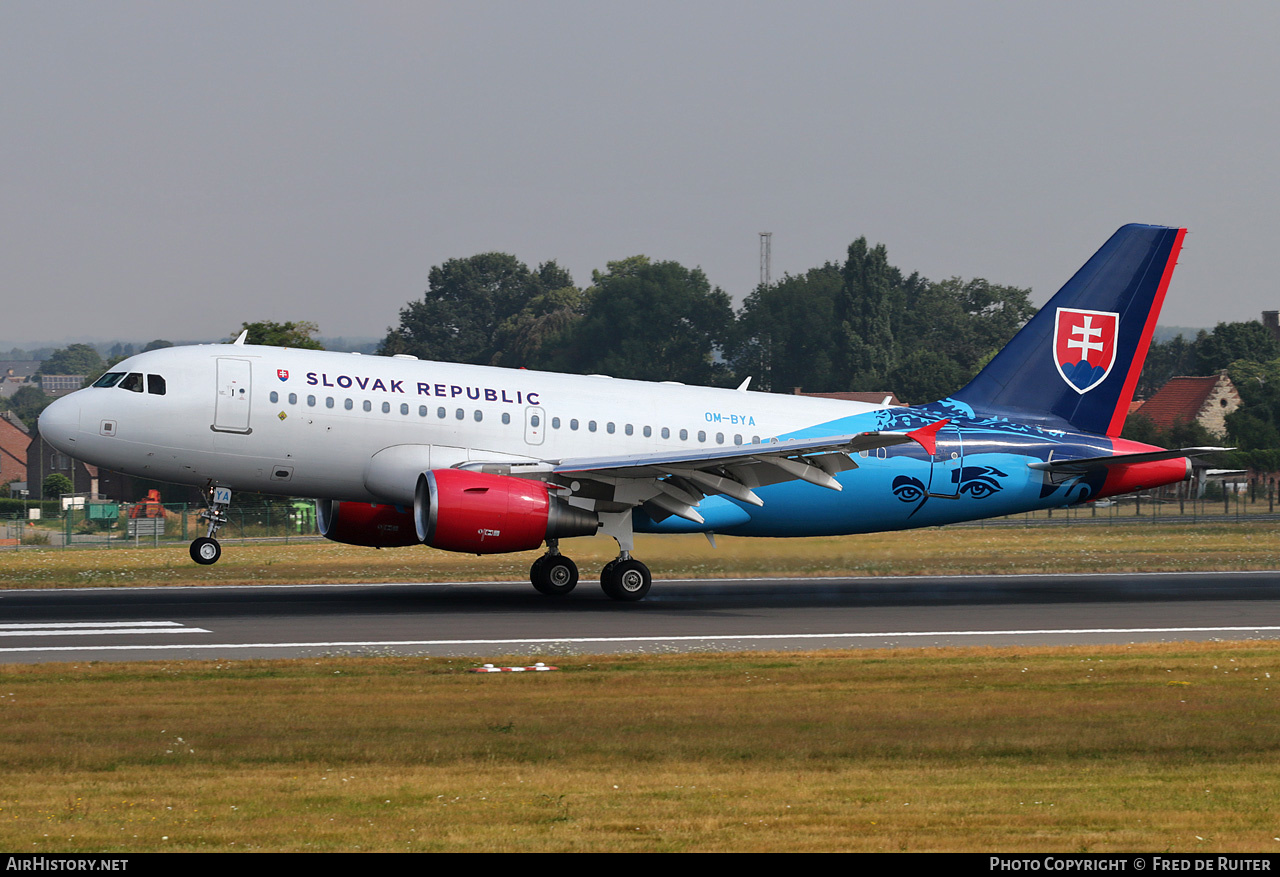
(554, 575)
(626, 580)
(205, 550)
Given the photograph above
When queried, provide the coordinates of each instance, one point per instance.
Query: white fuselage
(349, 427)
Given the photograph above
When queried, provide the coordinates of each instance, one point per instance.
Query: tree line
(861, 324)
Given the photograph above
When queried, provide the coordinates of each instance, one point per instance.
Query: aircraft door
(535, 425)
(948, 463)
(231, 411)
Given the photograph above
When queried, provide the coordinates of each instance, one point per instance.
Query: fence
(110, 525)
(115, 525)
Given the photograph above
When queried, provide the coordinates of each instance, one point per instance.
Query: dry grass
(961, 550)
(1149, 747)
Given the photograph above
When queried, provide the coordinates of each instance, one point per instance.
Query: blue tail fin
(1076, 362)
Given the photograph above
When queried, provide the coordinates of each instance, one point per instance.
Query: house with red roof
(1205, 400)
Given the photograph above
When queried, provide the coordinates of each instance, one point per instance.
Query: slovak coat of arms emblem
(1084, 346)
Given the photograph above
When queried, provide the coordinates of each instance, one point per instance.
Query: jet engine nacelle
(460, 510)
(361, 523)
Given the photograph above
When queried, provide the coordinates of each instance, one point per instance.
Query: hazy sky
(169, 170)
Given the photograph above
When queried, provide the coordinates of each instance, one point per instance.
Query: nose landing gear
(206, 549)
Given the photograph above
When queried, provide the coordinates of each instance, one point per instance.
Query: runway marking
(647, 639)
(94, 628)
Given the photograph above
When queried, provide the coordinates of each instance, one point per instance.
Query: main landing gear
(624, 578)
(554, 574)
(206, 549)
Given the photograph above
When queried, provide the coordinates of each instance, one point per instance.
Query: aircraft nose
(60, 424)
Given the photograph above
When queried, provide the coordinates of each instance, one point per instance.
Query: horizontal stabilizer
(1120, 459)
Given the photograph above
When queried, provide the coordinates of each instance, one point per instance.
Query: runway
(508, 618)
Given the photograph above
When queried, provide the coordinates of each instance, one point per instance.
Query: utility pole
(766, 259)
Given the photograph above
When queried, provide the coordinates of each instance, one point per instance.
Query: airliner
(400, 451)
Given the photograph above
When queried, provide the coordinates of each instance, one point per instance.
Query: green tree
(74, 359)
(947, 331)
(871, 293)
(785, 336)
(531, 337)
(1232, 341)
(291, 334)
(55, 485)
(654, 321)
(1165, 360)
(27, 402)
(157, 344)
(466, 303)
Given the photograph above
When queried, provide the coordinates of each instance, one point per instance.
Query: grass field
(960, 550)
(1152, 747)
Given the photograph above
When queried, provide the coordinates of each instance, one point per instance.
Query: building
(60, 385)
(1205, 400)
(13, 448)
(15, 374)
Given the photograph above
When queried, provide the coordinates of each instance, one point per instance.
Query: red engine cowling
(479, 513)
(360, 523)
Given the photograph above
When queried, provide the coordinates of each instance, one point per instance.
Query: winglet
(240, 340)
(927, 436)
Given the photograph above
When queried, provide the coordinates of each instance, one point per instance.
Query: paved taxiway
(493, 619)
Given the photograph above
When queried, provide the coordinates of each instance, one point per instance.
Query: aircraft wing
(1083, 464)
(673, 483)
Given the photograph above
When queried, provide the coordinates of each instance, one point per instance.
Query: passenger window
(479, 415)
(629, 429)
(460, 414)
(275, 397)
(311, 401)
(719, 438)
(737, 439)
(404, 407)
(133, 382)
(555, 423)
(666, 433)
(328, 401)
(591, 426)
(535, 421)
(293, 398)
(441, 413)
(368, 406)
(573, 424)
(506, 417)
(684, 435)
(702, 435)
(386, 407)
(648, 432)
(422, 410)
(348, 404)
(609, 427)
(155, 385)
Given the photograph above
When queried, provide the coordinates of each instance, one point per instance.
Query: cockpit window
(155, 385)
(132, 382)
(109, 379)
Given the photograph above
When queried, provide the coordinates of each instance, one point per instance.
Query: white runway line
(649, 639)
(95, 628)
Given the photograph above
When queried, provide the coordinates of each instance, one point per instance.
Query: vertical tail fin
(1077, 361)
